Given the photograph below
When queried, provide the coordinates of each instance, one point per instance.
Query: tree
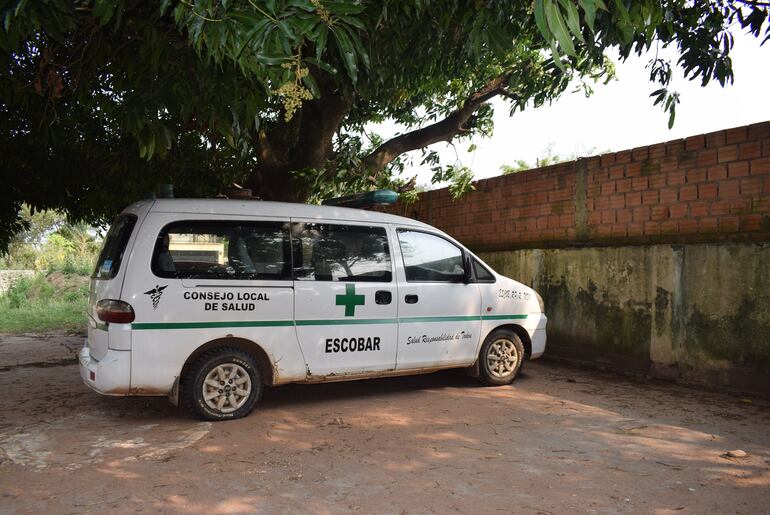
(101, 100)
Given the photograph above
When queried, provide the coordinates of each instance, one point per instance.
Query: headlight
(540, 301)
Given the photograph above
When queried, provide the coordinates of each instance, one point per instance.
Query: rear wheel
(500, 358)
(222, 384)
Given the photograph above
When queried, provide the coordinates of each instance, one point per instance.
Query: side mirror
(467, 269)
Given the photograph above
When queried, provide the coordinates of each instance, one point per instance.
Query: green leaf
(320, 42)
(558, 27)
(589, 8)
(540, 19)
(347, 53)
(573, 19)
(310, 82)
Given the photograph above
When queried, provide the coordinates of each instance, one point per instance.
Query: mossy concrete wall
(699, 313)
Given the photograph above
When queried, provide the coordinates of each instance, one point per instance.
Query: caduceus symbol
(155, 294)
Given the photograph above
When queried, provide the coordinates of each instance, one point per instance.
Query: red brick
(674, 148)
(608, 216)
(716, 172)
(623, 156)
(594, 218)
(604, 230)
(617, 201)
(707, 224)
(715, 139)
(759, 131)
(699, 209)
(751, 186)
(669, 227)
(688, 226)
(607, 159)
(567, 220)
(640, 183)
(750, 150)
(760, 166)
(649, 197)
(641, 214)
(640, 153)
(657, 151)
(668, 196)
(657, 181)
(738, 169)
(677, 210)
(619, 230)
(635, 229)
(617, 172)
(623, 216)
(659, 213)
(608, 188)
(729, 189)
(707, 191)
(707, 156)
(633, 199)
(751, 223)
(676, 178)
(695, 175)
(651, 228)
(729, 153)
(688, 193)
(695, 142)
(728, 223)
(766, 149)
(766, 184)
(736, 135)
(623, 185)
(633, 170)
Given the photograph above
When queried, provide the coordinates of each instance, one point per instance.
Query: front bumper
(109, 376)
(538, 336)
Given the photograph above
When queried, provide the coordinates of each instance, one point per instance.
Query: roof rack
(364, 200)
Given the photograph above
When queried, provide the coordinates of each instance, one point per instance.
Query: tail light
(114, 311)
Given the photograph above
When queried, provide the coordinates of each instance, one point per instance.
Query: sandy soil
(558, 440)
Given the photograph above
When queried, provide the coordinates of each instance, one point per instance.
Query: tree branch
(443, 130)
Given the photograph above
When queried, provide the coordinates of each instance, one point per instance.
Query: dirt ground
(558, 440)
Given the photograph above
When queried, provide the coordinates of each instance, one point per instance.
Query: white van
(210, 301)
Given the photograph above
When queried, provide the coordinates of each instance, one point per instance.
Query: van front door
(439, 315)
(344, 298)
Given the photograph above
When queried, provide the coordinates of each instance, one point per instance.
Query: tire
(501, 343)
(230, 368)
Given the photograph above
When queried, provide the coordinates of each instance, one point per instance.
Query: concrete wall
(650, 260)
(699, 313)
(9, 277)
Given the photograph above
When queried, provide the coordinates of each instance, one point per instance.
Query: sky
(618, 116)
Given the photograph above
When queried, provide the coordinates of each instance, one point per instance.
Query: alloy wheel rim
(502, 358)
(226, 387)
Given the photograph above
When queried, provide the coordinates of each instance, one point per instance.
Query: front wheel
(222, 384)
(500, 358)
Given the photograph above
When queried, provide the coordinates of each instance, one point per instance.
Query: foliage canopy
(100, 100)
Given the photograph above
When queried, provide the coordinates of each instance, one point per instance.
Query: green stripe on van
(344, 321)
(204, 325)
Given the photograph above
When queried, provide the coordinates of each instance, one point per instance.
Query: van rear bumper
(109, 376)
(538, 336)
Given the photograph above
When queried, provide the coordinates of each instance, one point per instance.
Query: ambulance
(211, 301)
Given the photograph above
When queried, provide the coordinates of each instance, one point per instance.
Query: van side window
(331, 252)
(108, 264)
(430, 258)
(223, 250)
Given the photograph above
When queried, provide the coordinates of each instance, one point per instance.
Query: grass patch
(45, 302)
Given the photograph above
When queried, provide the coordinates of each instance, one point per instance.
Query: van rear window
(115, 243)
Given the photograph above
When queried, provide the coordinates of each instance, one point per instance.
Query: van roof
(280, 209)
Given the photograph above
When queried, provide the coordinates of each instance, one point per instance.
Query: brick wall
(706, 188)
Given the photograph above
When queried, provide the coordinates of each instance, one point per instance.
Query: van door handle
(382, 297)
(411, 299)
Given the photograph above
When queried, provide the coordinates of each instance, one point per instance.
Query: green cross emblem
(350, 300)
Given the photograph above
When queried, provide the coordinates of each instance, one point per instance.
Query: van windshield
(108, 263)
